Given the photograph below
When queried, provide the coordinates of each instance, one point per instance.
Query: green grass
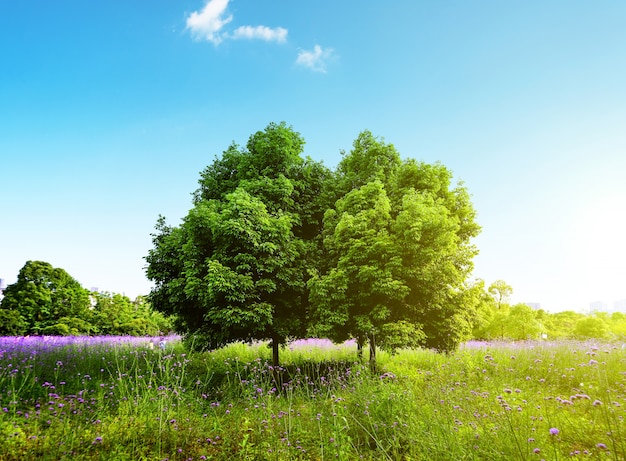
(485, 402)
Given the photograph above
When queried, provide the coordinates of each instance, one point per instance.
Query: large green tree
(397, 252)
(46, 300)
(236, 267)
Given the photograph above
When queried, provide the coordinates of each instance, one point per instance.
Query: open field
(122, 399)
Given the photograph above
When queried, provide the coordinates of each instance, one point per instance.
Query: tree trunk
(359, 348)
(372, 341)
(275, 351)
(276, 372)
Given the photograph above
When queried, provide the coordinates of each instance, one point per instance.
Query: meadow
(122, 398)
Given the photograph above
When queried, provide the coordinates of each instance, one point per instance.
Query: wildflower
(596, 403)
(554, 431)
(536, 450)
(601, 446)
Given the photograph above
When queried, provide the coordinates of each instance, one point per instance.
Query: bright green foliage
(522, 323)
(591, 327)
(397, 251)
(236, 267)
(494, 318)
(48, 301)
(485, 311)
(500, 292)
(369, 160)
(562, 324)
(617, 325)
(116, 314)
(363, 281)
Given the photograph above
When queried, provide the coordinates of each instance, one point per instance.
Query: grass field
(128, 399)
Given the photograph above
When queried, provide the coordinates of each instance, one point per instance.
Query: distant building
(598, 306)
(619, 306)
(535, 306)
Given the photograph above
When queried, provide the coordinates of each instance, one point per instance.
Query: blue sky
(109, 111)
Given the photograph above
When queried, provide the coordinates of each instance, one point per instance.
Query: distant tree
(591, 327)
(236, 267)
(521, 323)
(501, 292)
(617, 325)
(485, 311)
(44, 297)
(116, 314)
(497, 327)
(561, 325)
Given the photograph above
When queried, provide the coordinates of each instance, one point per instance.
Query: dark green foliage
(236, 267)
(48, 301)
(43, 295)
(11, 323)
(380, 249)
(115, 314)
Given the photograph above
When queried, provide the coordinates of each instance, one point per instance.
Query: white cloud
(315, 60)
(278, 34)
(207, 23)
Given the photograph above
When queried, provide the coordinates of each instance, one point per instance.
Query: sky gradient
(110, 110)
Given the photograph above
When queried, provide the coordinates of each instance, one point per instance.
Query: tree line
(46, 300)
(497, 319)
(278, 246)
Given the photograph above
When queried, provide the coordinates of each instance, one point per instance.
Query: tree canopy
(398, 252)
(277, 246)
(236, 267)
(47, 300)
(41, 296)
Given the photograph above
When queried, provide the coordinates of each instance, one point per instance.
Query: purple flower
(601, 446)
(554, 431)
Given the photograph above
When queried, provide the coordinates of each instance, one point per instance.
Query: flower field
(122, 398)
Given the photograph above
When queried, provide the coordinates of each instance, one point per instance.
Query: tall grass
(118, 400)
